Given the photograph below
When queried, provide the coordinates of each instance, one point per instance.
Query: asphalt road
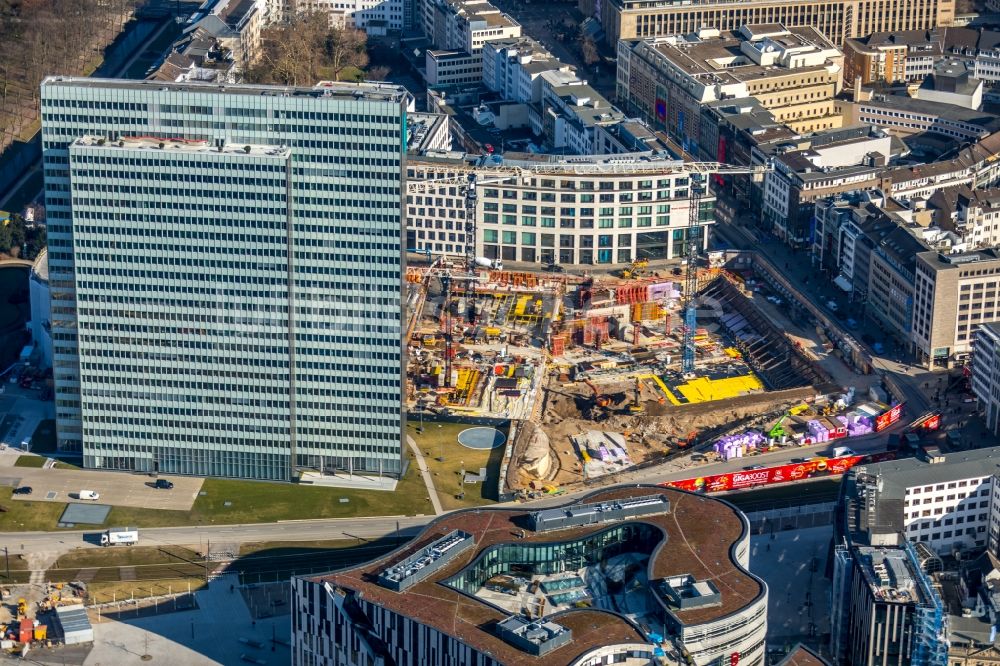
(377, 527)
(293, 530)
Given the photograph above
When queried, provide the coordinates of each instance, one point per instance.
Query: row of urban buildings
(298, 204)
(916, 568)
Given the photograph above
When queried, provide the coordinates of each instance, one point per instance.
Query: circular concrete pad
(481, 438)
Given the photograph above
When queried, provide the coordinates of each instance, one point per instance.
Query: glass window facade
(249, 314)
(552, 558)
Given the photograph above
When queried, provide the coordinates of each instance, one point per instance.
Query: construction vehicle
(689, 439)
(600, 399)
(777, 431)
(635, 269)
(22, 607)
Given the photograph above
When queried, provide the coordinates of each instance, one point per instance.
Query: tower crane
(467, 183)
(698, 174)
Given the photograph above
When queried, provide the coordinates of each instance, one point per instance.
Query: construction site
(600, 372)
(42, 616)
(593, 369)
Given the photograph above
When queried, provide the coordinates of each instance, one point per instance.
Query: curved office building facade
(576, 585)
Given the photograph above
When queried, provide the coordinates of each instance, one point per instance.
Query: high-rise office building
(225, 265)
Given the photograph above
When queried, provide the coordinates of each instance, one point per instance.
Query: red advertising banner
(886, 419)
(745, 479)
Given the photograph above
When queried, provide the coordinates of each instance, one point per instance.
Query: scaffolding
(930, 624)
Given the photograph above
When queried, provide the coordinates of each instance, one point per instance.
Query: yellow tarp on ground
(702, 389)
(663, 387)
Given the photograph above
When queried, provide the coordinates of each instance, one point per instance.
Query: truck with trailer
(120, 536)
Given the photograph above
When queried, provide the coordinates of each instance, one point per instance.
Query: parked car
(23, 490)
(554, 268)
(163, 484)
(91, 495)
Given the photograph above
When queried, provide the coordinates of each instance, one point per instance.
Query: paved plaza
(793, 563)
(220, 631)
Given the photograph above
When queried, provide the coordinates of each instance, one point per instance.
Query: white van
(89, 495)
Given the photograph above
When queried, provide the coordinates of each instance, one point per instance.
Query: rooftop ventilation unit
(597, 513)
(422, 564)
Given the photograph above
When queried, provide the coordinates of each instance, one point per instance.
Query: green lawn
(251, 502)
(446, 458)
(39, 461)
(124, 557)
(144, 565)
(279, 560)
(99, 593)
(292, 547)
(19, 572)
(22, 516)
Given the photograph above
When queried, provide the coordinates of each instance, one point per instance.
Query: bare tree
(306, 49)
(589, 50)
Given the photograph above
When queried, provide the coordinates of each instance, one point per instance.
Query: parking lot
(115, 488)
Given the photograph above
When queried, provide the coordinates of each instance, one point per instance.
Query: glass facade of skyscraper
(226, 303)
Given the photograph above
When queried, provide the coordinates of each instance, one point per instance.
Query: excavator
(598, 410)
(688, 439)
(635, 269)
(600, 399)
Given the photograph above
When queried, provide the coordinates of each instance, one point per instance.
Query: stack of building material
(818, 431)
(736, 446)
(859, 424)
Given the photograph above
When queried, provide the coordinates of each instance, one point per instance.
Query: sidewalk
(424, 472)
(812, 284)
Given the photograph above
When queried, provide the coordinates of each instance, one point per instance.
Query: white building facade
(611, 215)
